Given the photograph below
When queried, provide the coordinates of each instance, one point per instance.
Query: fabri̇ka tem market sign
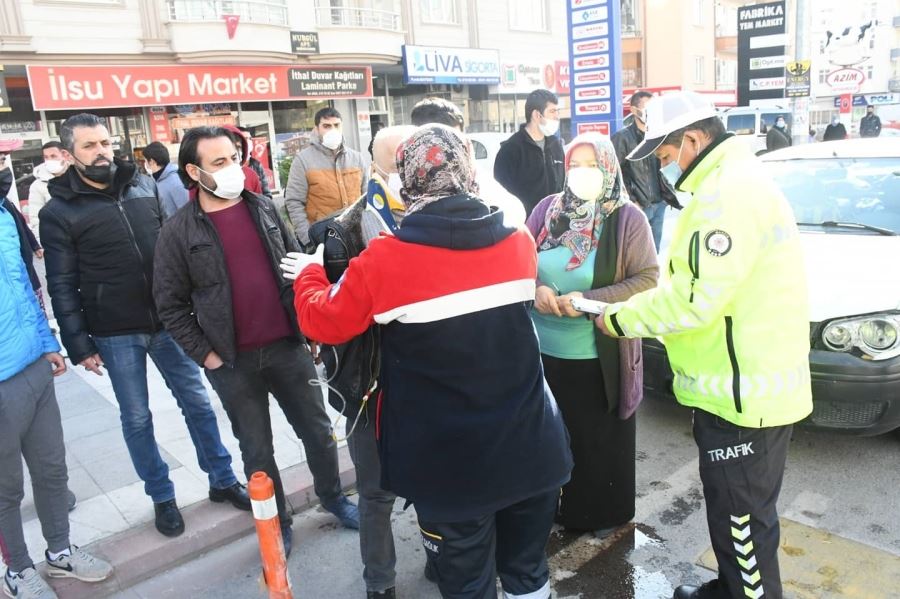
(66, 88)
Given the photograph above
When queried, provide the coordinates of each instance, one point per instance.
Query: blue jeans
(125, 358)
(655, 214)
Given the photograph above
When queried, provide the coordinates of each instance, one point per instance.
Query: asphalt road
(844, 489)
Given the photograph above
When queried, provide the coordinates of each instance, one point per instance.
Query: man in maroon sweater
(219, 292)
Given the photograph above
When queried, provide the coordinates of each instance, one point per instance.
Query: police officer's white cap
(667, 113)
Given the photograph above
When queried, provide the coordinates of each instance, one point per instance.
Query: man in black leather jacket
(99, 231)
(644, 183)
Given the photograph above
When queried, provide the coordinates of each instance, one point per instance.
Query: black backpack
(352, 368)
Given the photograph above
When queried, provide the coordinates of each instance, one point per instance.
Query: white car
(846, 199)
(486, 146)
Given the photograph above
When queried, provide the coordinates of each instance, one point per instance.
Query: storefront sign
(202, 121)
(20, 127)
(522, 78)
(761, 62)
(563, 79)
(866, 100)
(797, 80)
(4, 96)
(68, 88)
(593, 128)
(428, 64)
(595, 63)
(304, 42)
(845, 81)
(159, 125)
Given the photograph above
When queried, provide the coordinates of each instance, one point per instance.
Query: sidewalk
(114, 517)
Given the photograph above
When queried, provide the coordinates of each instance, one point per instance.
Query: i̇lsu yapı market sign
(75, 87)
(430, 64)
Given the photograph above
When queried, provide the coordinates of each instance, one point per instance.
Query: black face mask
(6, 180)
(98, 173)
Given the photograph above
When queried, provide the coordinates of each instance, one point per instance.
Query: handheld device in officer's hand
(588, 306)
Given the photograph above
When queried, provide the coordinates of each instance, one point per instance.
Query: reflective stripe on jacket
(731, 306)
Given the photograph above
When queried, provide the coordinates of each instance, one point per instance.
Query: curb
(141, 552)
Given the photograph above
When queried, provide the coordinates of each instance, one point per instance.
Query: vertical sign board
(761, 61)
(595, 65)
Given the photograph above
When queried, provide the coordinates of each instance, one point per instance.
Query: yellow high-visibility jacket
(731, 306)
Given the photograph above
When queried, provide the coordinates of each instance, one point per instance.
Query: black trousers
(742, 470)
(511, 543)
(283, 369)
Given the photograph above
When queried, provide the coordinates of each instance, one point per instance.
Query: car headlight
(877, 336)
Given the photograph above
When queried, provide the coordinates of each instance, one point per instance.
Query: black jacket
(870, 126)
(644, 182)
(99, 255)
(526, 171)
(833, 132)
(191, 284)
(777, 139)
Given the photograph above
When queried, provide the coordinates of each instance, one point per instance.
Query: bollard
(268, 529)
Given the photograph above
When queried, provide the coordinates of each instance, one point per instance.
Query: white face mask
(333, 139)
(586, 182)
(55, 167)
(394, 183)
(229, 182)
(549, 127)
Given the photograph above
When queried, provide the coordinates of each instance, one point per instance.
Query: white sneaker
(27, 584)
(80, 565)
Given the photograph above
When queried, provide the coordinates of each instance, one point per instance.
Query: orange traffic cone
(268, 529)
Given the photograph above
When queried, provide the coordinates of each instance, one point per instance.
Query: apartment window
(698, 69)
(528, 15)
(726, 21)
(272, 12)
(699, 7)
(823, 74)
(631, 20)
(440, 12)
(726, 72)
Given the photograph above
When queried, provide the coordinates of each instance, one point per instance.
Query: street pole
(800, 106)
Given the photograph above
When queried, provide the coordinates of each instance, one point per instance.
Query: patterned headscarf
(575, 223)
(434, 163)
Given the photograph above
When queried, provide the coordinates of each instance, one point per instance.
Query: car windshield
(843, 190)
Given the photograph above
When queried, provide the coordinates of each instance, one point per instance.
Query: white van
(751, 123)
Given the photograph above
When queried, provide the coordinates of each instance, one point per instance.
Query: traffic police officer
(732, 311)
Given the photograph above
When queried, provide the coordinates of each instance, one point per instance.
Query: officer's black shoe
(708, 590)
(385, 594)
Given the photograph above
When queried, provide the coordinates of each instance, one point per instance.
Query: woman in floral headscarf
(594, 243)
(467, 430)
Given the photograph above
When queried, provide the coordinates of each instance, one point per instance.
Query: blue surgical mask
(672, 172)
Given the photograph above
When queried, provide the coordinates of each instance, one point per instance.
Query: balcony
(197, 30)
(269, 12)
(358, 18)
(340, 40)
